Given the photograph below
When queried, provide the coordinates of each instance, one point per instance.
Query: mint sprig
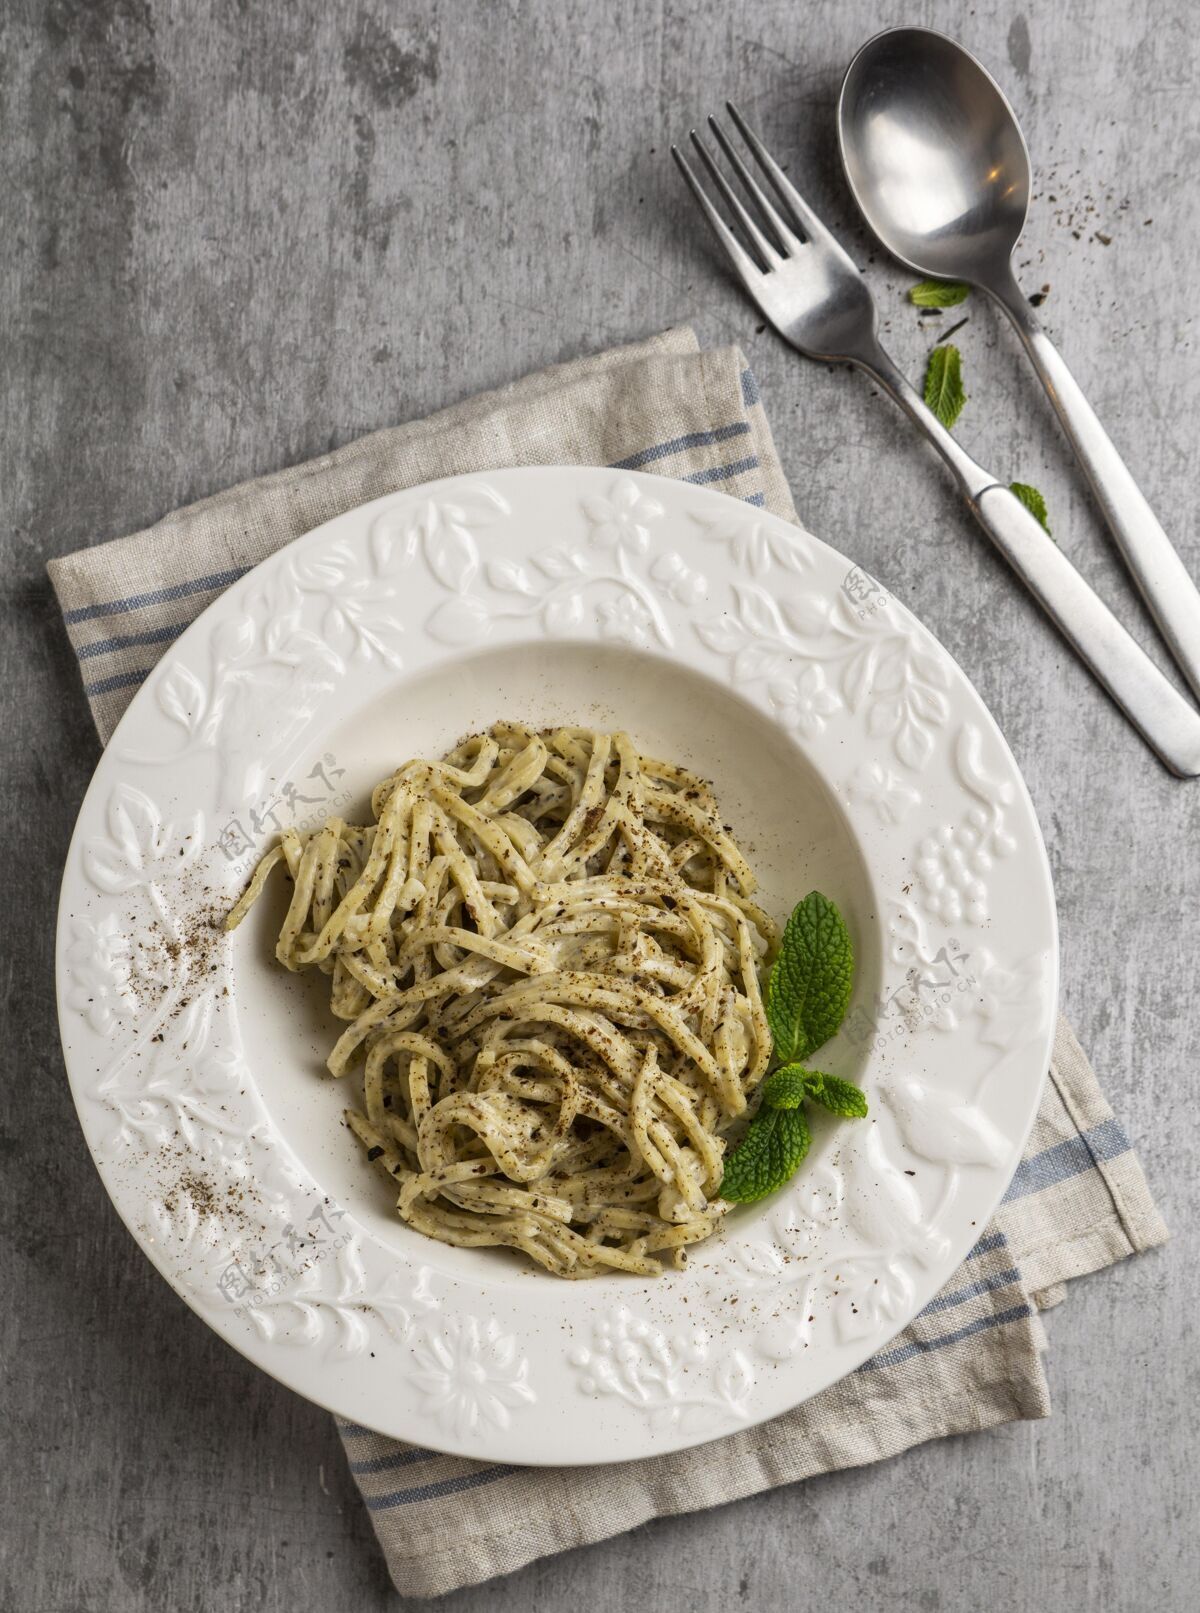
(787, 1088)
(938, 293)
(778, 1138)
(806, 1000)
(809, 989)
(1033, 502)
(943, 384)
(769, 1153)
(839, 1096)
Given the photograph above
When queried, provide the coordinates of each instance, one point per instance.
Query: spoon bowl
(934, 155)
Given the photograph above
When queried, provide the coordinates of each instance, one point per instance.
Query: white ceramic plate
(849, 754)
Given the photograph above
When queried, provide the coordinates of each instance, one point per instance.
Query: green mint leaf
(939, 293)
(943, 384)
(838, 1096)
(809, 988)
(770, 1152)
(787, 1088)
(1033, 502)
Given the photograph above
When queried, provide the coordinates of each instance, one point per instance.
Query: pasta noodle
(549, 959)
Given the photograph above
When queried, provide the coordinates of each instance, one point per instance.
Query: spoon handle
(1169, 592)
(1168, 723)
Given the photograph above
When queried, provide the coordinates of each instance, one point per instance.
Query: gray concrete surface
(234, 236)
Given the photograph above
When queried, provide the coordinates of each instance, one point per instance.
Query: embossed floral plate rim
(830, 1269)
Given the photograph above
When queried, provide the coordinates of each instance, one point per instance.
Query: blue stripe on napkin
(386, 1464)
(918, 1346)
(430, 1492)
(679, 445)
(1069, 1158)
(160, 596)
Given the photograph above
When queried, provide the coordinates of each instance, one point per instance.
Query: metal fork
(809, 289)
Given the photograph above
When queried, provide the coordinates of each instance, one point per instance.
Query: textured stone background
(235, 236)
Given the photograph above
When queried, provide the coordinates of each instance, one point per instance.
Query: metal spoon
(938, 165)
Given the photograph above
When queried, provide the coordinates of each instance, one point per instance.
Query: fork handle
(1168, 723)
(1169, 592)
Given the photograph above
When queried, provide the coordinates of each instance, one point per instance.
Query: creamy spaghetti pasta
(549, 957)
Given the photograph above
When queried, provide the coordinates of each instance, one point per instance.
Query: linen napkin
(972, 1358)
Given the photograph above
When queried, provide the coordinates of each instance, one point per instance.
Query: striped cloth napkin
(1079, 1202)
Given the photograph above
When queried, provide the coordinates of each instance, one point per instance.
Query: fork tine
(784, 189)
(786, 241)
(741, 259)
(769, 257)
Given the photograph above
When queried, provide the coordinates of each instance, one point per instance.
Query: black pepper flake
(374, 1153)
